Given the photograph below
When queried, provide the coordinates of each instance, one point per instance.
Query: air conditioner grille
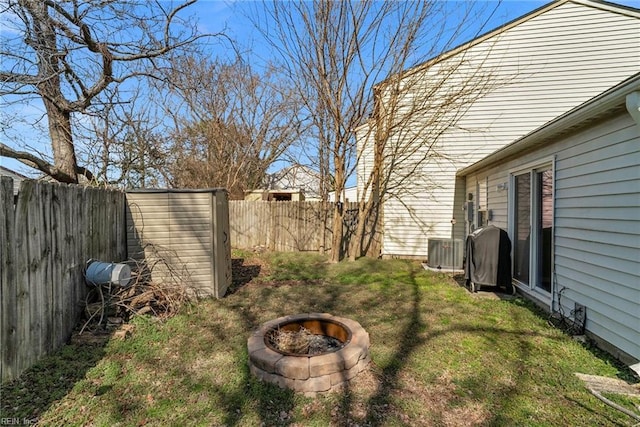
(445, 253)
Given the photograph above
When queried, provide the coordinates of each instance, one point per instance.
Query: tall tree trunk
(337, 230)
(369, 202)
(363, 215)
(366, 206)
(49, 70)
(64, 155)
(337, 238)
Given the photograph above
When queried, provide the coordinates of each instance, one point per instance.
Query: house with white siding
(17, 178)
(568, 194)
(295, 177)
(522, 75)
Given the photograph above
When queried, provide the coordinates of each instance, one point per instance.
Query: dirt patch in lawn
(249, 272)
(245, 270)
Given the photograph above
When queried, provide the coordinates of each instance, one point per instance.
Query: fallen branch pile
(111, 305)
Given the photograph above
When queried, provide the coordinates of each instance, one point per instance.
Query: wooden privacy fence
(293, 226)
(46, 238)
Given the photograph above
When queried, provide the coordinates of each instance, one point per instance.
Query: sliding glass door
(532, 229)
(544, 227)
(522, 232)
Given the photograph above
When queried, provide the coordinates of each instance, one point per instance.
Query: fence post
(8, 322)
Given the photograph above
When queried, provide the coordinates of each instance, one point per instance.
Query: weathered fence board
(45, 240)
(293, 226)
(8, 314)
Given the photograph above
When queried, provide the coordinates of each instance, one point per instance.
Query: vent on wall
(445, 253)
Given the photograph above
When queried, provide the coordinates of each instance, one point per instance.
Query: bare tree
(413, 111)
(231, 124)
(66, 54)
(334, 53)
(125, 143)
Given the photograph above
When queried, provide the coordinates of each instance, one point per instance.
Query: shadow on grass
(412, 336)
(273, 405)
(624, 372)
(415, 335)
(30, 395)
(410, 339)
(241, 274)
(415, 324)
(494, 290)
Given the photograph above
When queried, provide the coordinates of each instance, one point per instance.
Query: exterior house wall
(274, 195)
(596, 242)
(16, 177)
(350, 194)
(534, 70)
(296, 177)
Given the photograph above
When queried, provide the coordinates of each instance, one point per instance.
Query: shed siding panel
(547, 65)
(180, 226)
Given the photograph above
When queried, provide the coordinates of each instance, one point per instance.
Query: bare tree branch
(231, 124)
(42, 165)
(335, 53)
(69, 53)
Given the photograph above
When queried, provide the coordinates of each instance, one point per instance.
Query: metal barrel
(103, 273)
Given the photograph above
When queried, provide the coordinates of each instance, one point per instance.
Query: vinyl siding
(597, 223)
(17, 178)
(542, 68)
(186, 227)
(598, 231)
(364, 140)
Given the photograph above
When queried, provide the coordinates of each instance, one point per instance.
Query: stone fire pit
(326, 371)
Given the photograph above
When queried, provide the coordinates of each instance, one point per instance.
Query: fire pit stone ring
(310, 373)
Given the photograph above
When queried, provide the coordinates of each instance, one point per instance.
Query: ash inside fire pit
(319, 344)
(303, 341)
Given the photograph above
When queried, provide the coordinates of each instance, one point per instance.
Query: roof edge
(599, 4)
(11, 171)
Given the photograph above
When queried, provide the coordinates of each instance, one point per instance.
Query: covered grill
(487, 259)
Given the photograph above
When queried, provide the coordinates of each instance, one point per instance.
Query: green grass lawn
(440, 356)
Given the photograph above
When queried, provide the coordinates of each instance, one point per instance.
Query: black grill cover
(487, 258)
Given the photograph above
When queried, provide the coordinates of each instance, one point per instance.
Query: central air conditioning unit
(445, 253)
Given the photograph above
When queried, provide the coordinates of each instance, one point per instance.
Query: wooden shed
(188, 228)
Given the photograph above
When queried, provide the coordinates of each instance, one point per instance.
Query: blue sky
(215, 15)
(226, 16)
